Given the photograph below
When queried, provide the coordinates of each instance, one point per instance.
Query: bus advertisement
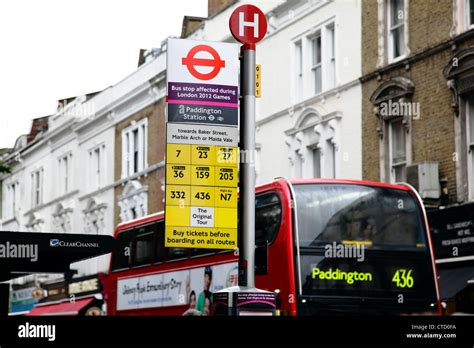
(324, 246)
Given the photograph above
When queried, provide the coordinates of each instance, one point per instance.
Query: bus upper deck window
(160, 242)
(143, 247)
(121, 256)
(267, 217)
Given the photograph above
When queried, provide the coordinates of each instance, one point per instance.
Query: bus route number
(177, 194)
(203, 195)
(403, 278)
(178, 174)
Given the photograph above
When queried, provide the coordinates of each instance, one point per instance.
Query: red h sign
(248, 24)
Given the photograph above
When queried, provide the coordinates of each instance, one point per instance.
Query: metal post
(247, 165)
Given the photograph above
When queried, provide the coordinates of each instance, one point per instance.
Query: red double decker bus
(325, 246)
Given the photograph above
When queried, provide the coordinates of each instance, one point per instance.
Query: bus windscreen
(374, 216)
(363, 242)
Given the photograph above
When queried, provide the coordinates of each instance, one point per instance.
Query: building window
(393, 106)
(133, 202)
(312, 145)
(397, 146)
(459, 81)
(396, 29)
(299, 68)
(62, 219)
(315, 62)
(330, 159)
(316, 159)
(37, 187)
(94, 217)
(331, 78)
(134, 148)
(64, 164)
(12, 199)
(470, 146)
(97, 159)
(469, 13)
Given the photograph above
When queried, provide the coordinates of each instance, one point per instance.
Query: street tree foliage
(4, 168)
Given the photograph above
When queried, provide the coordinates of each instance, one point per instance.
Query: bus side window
(267, 217)
(267, 225)
(122, 254)
(142, 252)
(177, 253)
(160, 242)
(197, 252)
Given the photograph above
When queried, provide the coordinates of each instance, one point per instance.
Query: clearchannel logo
(77, 244)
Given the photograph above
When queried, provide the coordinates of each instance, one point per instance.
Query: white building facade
(309, 115)
(63, 181)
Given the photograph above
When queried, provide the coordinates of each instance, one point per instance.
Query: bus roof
(353, 182)
(160, 215)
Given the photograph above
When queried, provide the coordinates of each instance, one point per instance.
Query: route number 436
(403, 279)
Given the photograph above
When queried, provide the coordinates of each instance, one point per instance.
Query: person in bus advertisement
(192, 311)
(205, 296)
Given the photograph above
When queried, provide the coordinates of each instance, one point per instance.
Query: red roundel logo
(191, 62)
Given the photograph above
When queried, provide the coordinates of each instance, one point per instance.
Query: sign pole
(248, 25)
(247, 165)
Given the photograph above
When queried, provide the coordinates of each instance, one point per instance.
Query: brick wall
(156, 153)
(215, 6)
(433, 134)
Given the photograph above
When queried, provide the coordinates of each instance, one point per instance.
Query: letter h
(243, 24)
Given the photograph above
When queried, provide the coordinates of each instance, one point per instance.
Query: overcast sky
(55, 49)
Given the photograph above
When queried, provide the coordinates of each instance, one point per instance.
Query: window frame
(133, 249)
(390, 29)
(65, 165)
(268, 193)
(298, 49)
(134, 148)
(98, 163)
(470, 147)
(315, 65)
(309, 66)
(467, 18)
(37, 187)
(391, 163)
(12, 202)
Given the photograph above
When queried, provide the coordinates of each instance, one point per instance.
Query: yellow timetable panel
(195, 237)
(202, 196)
(178, 153)
(202, 175)
(203, 155)
(225, 197)
(177, 216)
(226, 176)
(178, 195)
(178, 174)
(227, 156)
(225, 217)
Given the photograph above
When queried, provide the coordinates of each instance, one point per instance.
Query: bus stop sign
(248, 24)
